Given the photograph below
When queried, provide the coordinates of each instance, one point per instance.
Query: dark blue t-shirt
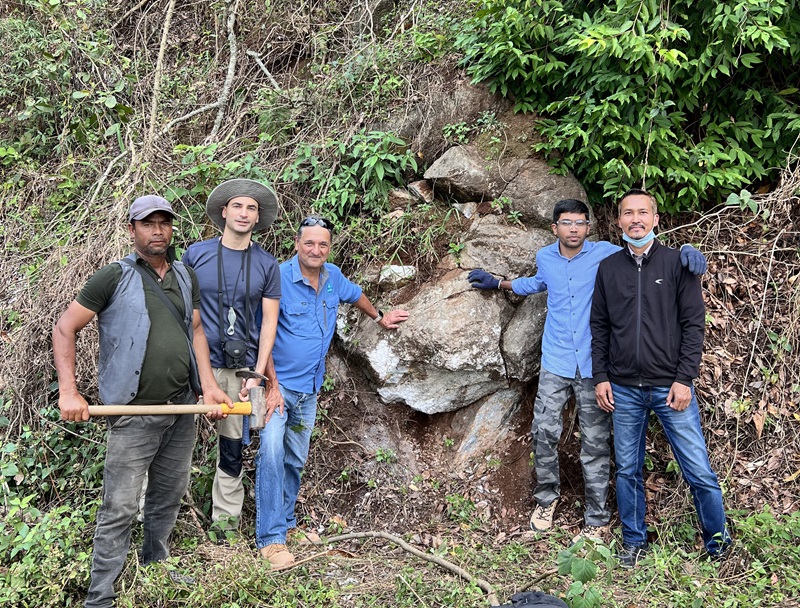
(265, 282)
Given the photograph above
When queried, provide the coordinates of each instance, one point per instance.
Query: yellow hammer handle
(242, 408)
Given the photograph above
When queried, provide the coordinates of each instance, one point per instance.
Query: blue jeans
(281, 456)
(632, 407)
(160, 446)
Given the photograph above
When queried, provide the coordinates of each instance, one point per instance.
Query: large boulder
(446, 356)
(502, 248)
(535, 190)
(522, 338)
(528, 184)
(463, 172)
(487, 423)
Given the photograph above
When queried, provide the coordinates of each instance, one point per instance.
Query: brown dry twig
(434, 559)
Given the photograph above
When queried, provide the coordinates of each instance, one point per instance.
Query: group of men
(173, 331)
(624, 336)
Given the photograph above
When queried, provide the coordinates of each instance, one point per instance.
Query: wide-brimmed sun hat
(233, 188)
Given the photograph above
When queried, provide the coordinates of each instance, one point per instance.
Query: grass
(761, 572)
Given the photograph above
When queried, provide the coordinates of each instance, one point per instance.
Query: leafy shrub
(350, 176)
(73, 89)
(694, 100)
(45, 557)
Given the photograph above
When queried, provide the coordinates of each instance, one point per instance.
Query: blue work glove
(692, 259)
(480, 279)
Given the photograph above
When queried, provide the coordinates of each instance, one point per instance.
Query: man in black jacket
(647, 324)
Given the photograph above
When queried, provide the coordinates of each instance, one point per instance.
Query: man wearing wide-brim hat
(240, 290)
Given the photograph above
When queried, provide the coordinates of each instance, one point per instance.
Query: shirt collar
(644, 253)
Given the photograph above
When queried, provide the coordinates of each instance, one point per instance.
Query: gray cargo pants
(595, 425)
(160, 446)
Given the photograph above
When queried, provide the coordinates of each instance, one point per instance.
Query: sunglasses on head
(317, 221)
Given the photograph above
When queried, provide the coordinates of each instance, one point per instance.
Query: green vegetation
(695, 100)
(699, 103)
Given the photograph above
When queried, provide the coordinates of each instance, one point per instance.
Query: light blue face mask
(639, 242)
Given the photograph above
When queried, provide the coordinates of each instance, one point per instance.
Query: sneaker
(723, 554)
(542, 517)
(593, 533)
(181, 579)
(277, 555)
(631, 554)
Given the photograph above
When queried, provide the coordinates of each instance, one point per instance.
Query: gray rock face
(464, 350)
(451, 101)
(506, 250)
(463, 172)
(487, 426)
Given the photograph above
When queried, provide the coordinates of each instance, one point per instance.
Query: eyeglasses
(317, 221)
(570, 223)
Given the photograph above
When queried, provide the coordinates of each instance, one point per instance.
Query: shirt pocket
(299, 317)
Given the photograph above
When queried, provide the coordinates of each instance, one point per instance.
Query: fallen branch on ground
(435, 559)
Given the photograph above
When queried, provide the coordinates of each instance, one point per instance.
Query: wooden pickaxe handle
(242, 408)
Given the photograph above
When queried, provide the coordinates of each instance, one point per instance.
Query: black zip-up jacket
(647, 323)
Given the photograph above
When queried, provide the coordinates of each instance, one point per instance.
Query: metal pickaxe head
(258, 399)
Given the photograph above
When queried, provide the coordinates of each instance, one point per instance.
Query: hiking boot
(593, 533)
(631, 554)
(277, 555)
(542, 517)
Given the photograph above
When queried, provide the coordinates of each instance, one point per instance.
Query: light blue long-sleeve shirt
(567, 340)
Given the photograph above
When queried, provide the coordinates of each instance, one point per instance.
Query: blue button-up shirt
(567, 340)
(306, 324)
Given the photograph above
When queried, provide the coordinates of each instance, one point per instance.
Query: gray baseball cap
(145, 205)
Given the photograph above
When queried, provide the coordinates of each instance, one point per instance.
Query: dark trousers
(160, 446)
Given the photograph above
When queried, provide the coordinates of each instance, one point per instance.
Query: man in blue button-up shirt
(567, 270)
(311, 291)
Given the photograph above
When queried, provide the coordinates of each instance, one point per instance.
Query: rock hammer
(256, 408)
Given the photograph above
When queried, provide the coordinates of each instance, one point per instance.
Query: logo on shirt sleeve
(659, 281)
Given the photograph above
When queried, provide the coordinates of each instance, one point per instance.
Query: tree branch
(435, 559)
(264, 69)
(159, 69)
(226, 89)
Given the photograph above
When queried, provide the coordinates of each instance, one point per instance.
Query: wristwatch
(379, 318)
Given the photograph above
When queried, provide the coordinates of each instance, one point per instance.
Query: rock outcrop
(462, 349)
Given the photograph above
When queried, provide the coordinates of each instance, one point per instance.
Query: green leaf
(583, 570)
(80, 94)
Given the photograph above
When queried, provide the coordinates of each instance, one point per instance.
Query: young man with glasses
(240, 287)
(311, 292)
(647, 322)
(566, 270)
